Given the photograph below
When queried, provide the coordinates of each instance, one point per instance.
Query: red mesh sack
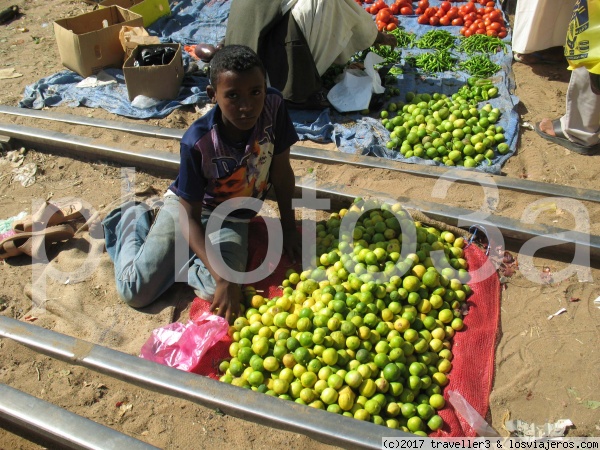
(473, 347)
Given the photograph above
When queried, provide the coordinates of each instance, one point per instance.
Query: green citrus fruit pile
(366, 332)
(450, 130)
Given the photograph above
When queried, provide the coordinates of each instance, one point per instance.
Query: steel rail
(168, 163)
(55, 141)
(328, 156)
(242, 403)
(66, 429)
(128, 127)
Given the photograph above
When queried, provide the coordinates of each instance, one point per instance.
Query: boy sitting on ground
(234, 152)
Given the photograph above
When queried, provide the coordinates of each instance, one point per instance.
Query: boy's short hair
(235, 58)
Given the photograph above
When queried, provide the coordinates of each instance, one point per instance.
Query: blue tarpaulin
(194, 21)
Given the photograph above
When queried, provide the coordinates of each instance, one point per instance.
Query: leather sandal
(563, 141)
(317, 101)
(31, 243)
(50, 214)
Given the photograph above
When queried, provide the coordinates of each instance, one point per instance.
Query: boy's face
(241, 97)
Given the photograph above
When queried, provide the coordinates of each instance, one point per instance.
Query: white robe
(541, 24)
(334, 29)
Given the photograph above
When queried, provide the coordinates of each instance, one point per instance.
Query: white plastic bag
(478, 423)
(353, 92)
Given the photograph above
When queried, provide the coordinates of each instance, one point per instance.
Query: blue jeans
(150, 253)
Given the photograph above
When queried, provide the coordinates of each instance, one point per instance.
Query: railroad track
(515, 232)
(319, 425)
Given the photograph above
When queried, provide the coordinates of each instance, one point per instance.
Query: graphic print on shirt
(248, 178)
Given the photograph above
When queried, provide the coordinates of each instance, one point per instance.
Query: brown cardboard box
(150, 10)
(90, 42)
(159, 82)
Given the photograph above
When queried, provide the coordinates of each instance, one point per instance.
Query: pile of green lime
(365, 333)
(450, 130)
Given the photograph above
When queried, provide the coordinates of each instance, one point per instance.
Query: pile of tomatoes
(473, 20)
(384, 14)
(474, 16)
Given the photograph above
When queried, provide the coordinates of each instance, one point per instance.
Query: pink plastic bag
(181, 345)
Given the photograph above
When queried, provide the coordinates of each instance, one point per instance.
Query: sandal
(536, 58)
(317, 101)
(31, 243)
(563, 141)
(50, 214)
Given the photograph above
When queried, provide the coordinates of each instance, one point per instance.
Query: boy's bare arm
(228, 295)
(284, 183)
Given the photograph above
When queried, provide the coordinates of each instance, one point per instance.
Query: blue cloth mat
(61, 88)
(194, 21)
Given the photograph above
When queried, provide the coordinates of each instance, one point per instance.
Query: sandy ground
(546, 370)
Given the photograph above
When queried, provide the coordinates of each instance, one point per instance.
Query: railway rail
(320, 425)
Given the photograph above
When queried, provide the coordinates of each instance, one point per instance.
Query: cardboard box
(160, 82)
(150, 10)
(90, 42)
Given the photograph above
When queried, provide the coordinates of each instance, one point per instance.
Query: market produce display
(473, 42)
(367, 331)
(449, 130)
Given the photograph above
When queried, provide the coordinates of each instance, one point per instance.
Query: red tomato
(493, 33)
(468, 23)
(419, 11)
(406, 10)
(430, 11)
(440, 13)
(468, 33)
(445, 21)
(470, 7)
(384, 15)
(463, 30)
(453, 12)
(391, 26)
(445, 6)
(490, 4)
(480, 31)
(423, 4)
(423, 20)
(458, 22)
(496, 15)
(434, 20)
(494, 26)
(502, 34)
(368, 9)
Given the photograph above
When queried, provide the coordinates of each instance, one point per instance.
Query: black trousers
(279, 43)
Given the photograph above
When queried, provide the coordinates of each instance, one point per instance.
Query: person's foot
(317, 101)
(549, 56)
(546, 127)
(551, 130)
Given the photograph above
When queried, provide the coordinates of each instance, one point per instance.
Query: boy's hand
(292, 244)
(386, 39)
(228, 297)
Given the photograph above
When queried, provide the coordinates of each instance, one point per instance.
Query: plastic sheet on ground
(194, 21)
